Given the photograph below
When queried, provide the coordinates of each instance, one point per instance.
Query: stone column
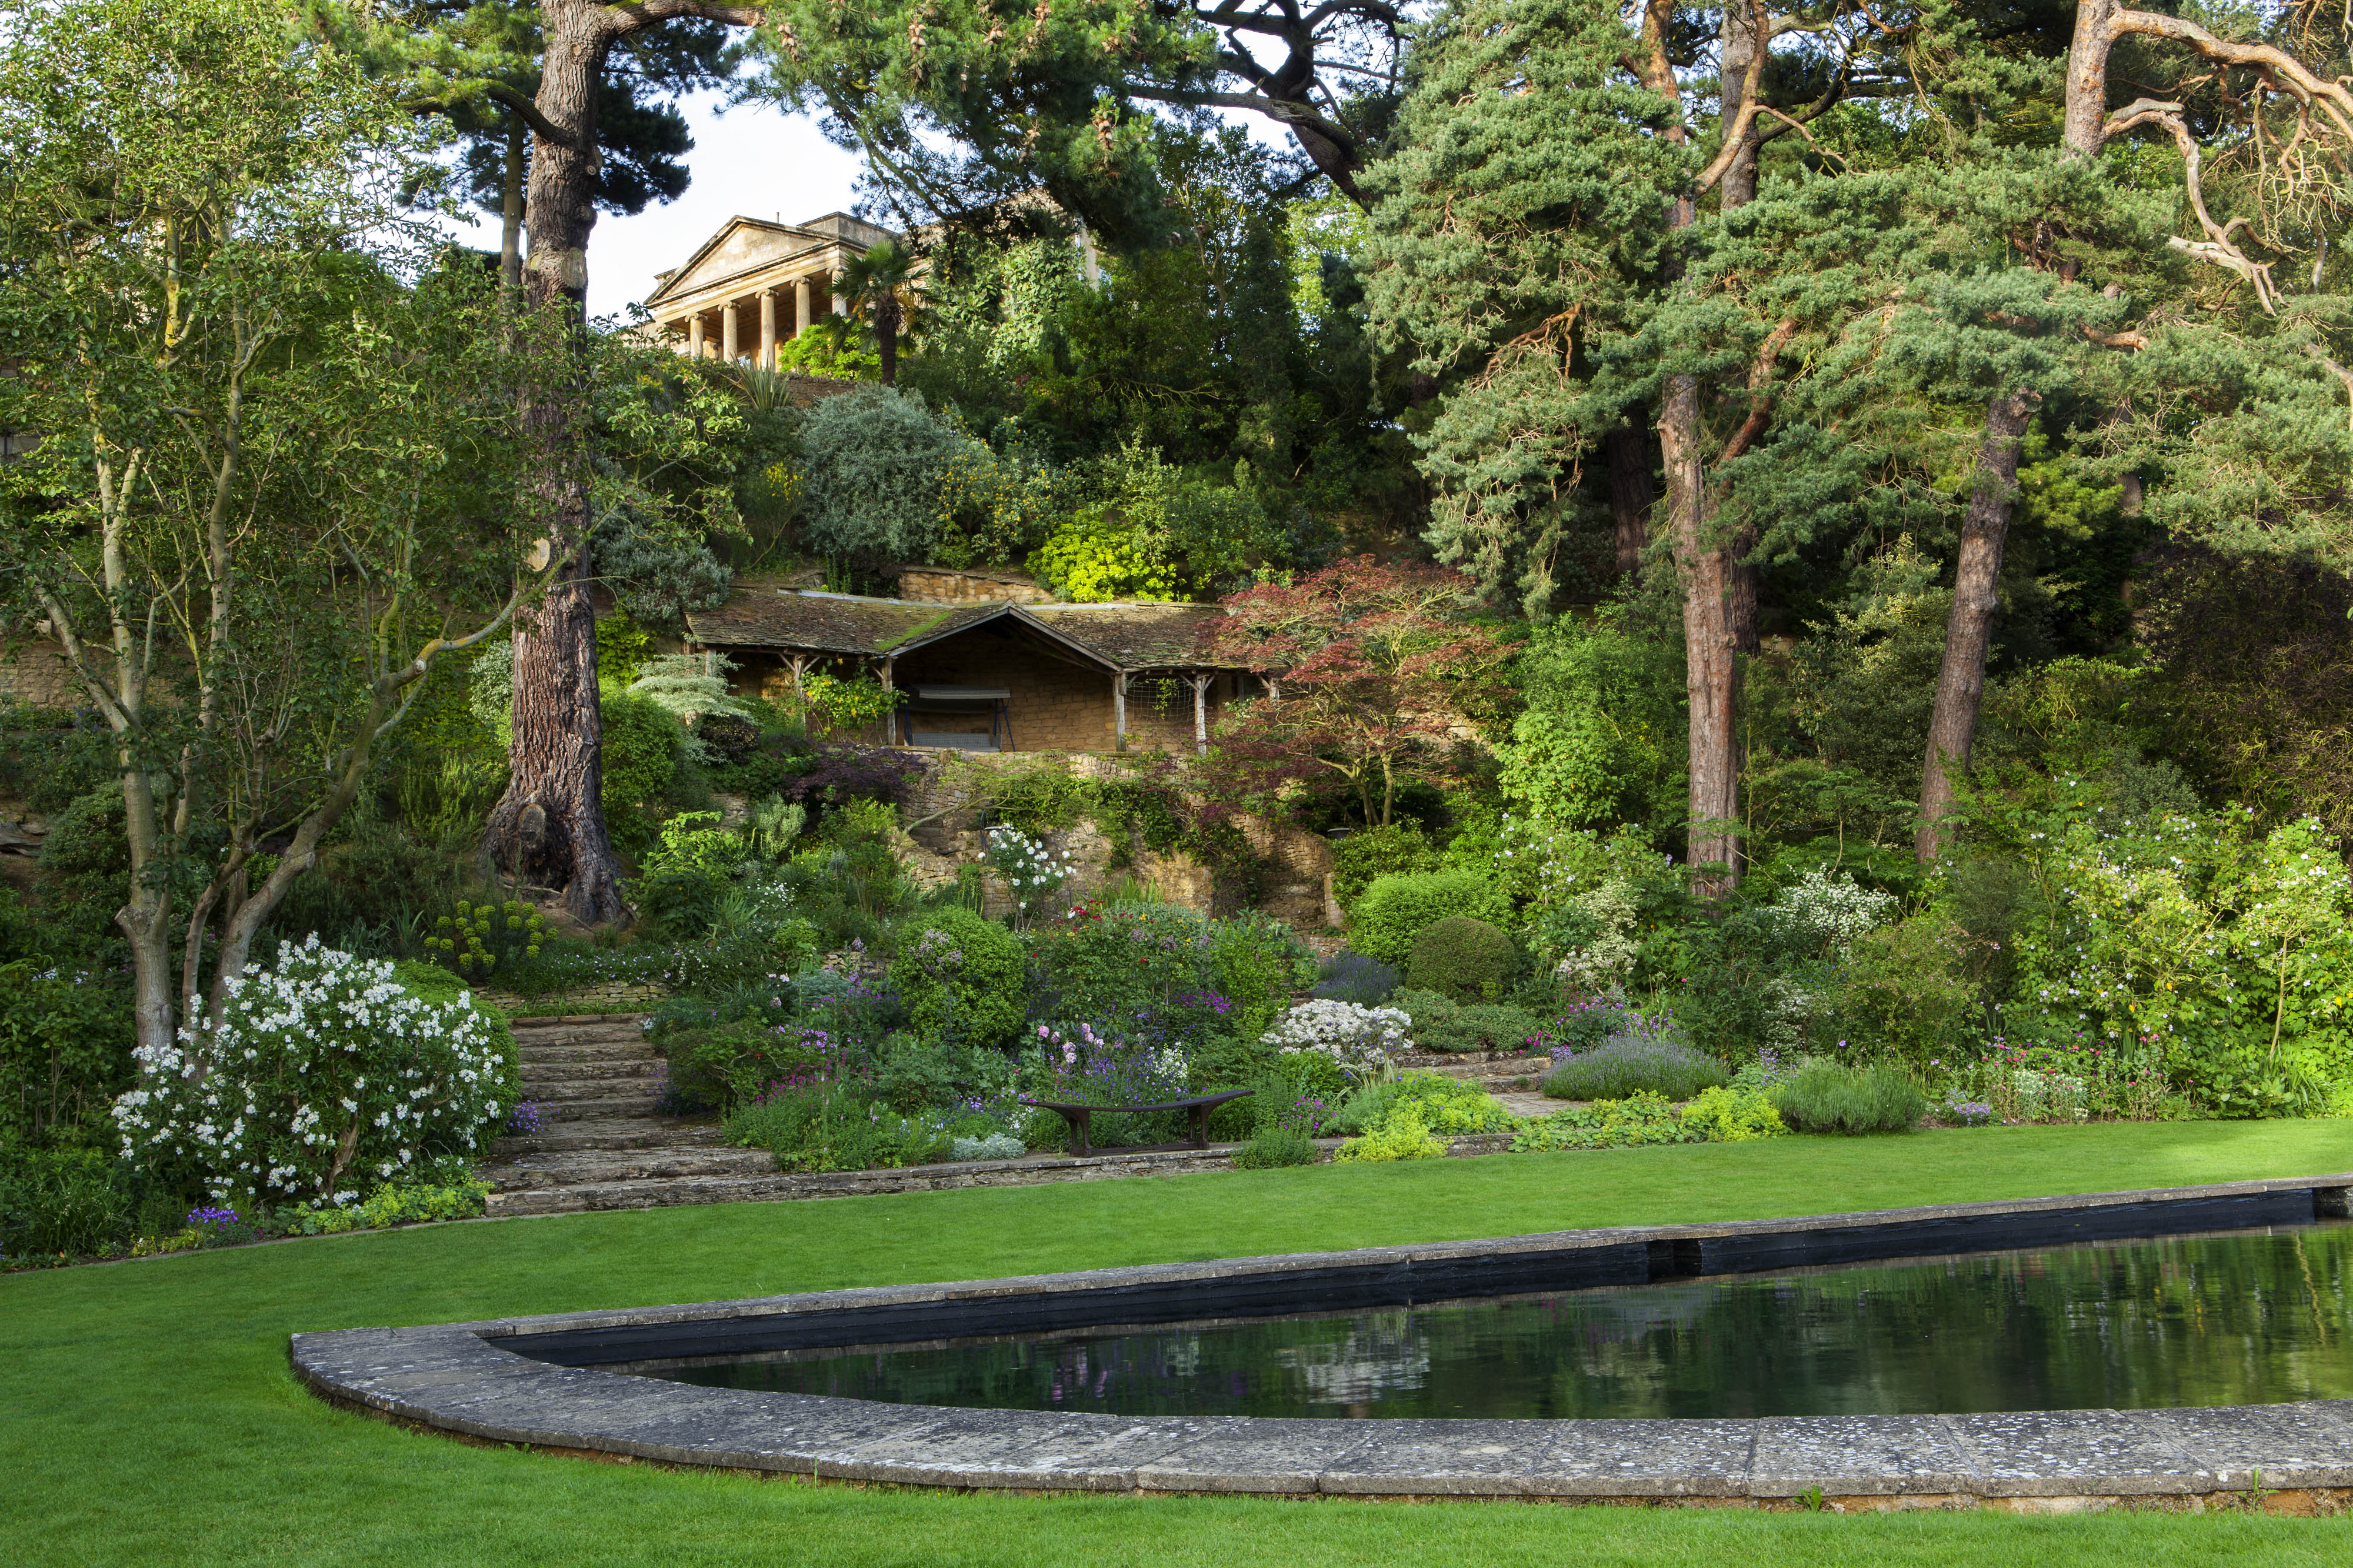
(768, 328)
(804, 308)
(694, 336)
(727, 331)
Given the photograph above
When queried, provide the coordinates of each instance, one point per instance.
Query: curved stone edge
(455, 1377)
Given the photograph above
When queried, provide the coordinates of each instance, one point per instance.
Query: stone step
(607, 1133)
(596, 1167)
(605, 1084)
(663, 1193)
(618, 1035)
(617, 1051)
(1495, 1067)
(579, 1020)
(630, 1105)
(553, 1076)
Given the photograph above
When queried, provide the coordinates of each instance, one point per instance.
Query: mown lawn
(146, 1414)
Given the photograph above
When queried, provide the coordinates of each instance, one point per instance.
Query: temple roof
(1117, 637)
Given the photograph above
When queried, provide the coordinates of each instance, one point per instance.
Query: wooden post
(1201, 714)
(768, 328)
(727, 331)
(694, 336)
(889, 719)
(1119, 711)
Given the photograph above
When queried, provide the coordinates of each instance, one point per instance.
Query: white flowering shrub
(1357, 1037)
(1033, 872)
(1835, 909)
(323, 1078)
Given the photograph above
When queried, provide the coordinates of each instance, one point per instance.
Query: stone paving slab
(467, 1378)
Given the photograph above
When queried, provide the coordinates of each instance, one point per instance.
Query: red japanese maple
(1374, 674)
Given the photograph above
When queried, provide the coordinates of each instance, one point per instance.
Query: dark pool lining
(1538, 1271)
(807, 1354)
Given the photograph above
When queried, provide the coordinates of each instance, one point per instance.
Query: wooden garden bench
(1200, 1105)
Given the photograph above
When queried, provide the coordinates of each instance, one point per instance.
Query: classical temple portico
(755, 284)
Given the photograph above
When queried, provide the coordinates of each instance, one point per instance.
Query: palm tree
(882, 291)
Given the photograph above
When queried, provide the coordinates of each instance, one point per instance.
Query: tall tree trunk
(1960, 682)
(886, 337)
(510, 213)
(1631, 494)
(1737, 43)
(1740, 590)
(1968, 634)
(549, 829)
(1711, 665)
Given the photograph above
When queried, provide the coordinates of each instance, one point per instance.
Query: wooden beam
(1200, 684)
(1119, 711)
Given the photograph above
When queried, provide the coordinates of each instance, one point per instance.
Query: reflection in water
(2247, 1319)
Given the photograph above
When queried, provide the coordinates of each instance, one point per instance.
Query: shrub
(875, 461)
(1368, 854)
(1395, 910)
(65, 1048)
(406, 1203)
(325, 1074)
(1352, 977)
(1276, 1146)
(1439, 1103)
(1402, 1137)
(996, 1146)
(1732, 1115)
(721, 1064)
(1629, 1062)
(640, 751)
(475, 938)
(835, 1124)
(1358, 1040)
(1442, 1023)
(60, 1201)
(1638, 1120)
(964, 978)
(1466, 959)
(1830, 1097)
(1907, 994)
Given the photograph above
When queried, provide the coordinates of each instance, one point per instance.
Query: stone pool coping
(460, 1378)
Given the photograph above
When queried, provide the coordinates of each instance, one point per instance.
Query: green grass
(146, 1414)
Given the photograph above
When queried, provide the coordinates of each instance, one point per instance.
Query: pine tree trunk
(511, 213)
(1631, 495)
(1710, 667)
(549, 829)
(1960, 682)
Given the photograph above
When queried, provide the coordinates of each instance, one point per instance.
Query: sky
(754, 160)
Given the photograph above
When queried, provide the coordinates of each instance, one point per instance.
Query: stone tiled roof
(1134, 636)
(828, 622)
(1123, 636)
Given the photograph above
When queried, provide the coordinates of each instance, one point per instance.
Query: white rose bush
(322, 1079)
(1359, 1038)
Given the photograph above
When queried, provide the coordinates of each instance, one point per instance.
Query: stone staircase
(606, 1146)
(1499, 1075)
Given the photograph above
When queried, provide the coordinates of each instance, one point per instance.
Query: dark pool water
(2244, 1319)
